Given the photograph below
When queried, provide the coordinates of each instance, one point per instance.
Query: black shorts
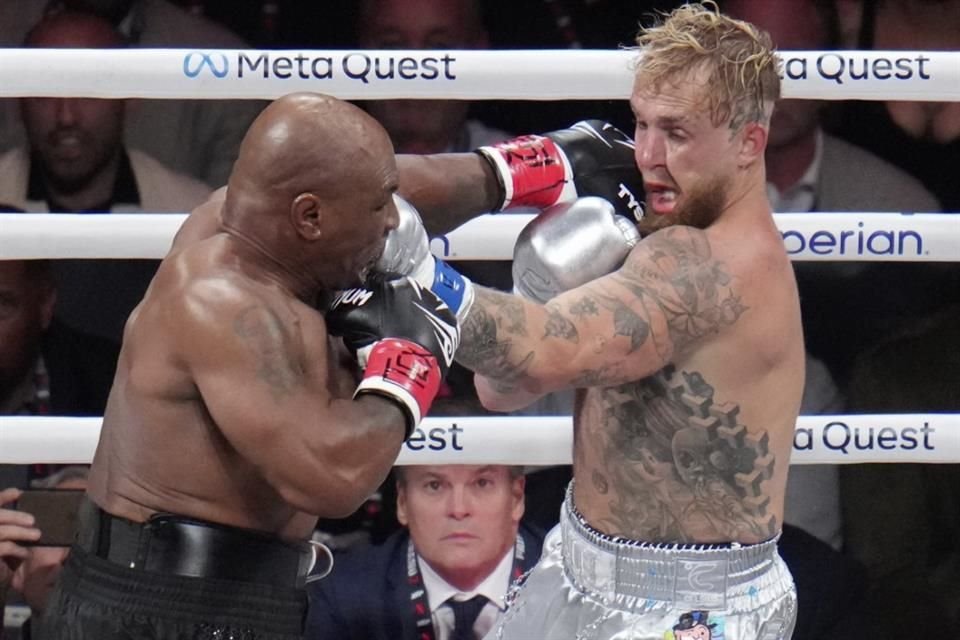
(98, 600)
(174, 578)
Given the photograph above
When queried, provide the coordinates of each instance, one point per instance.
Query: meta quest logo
(353, 65)
(216, 63)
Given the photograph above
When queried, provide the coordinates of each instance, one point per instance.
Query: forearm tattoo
(264, 334)
(558, 326)
(482, 347)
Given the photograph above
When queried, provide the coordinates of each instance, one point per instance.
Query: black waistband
(176, 545)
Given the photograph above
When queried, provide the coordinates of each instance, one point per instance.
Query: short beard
(699, 207)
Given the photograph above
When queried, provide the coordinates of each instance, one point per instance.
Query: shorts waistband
(699, 576)
(176, 545)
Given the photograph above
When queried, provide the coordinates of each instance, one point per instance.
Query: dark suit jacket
(366, 596)
(830, 587)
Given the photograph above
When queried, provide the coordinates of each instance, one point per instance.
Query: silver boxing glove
(568, 245)
(407, 248)
(407, 253)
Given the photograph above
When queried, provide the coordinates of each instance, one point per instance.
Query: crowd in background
(881, 337)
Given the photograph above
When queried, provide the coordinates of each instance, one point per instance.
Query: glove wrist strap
(533, 171)
(404, 372)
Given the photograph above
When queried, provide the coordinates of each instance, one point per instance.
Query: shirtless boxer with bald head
(234, 420)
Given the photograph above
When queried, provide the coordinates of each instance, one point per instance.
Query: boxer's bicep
(247, 374)
(267, 388)
(246, 362)
(670, 295)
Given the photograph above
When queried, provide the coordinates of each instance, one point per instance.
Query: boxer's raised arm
(448, 189)
(591, 158)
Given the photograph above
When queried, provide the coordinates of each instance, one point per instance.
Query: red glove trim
(405, 372)
(532, 168)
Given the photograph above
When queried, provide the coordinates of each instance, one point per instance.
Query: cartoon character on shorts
(695, 625)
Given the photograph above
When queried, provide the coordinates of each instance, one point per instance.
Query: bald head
(326, 167)
(308, 142)
(74, 29)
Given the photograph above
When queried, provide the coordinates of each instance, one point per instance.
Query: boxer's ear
(306, 215)
(753, 142)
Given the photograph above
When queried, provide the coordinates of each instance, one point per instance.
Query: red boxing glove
(591, 158)
(531, 170)
(404, 372)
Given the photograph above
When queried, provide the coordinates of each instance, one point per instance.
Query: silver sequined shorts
(588, 586)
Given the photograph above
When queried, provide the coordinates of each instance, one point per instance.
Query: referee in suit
(446, 574)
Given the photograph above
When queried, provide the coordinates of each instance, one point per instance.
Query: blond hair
(742, 79)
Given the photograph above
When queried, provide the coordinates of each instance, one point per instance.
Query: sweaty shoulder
(204, 297)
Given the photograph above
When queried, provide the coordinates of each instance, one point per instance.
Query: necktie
(464, 616)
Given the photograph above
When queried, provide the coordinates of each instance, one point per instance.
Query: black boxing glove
(404, 338)
(591, 158)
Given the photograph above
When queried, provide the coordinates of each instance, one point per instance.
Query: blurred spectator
(831, 589)
(903, 520)
(76, 162)
(426, 126)
(813, 491)
(31, 570)
(45, 368)
(922, 138)
(199, 137)
(830, 586)
(844, 311)
(462, 546)
(376, 519)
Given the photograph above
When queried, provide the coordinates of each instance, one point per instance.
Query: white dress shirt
(494, 588)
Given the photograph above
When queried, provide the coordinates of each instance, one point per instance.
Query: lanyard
(418, 594)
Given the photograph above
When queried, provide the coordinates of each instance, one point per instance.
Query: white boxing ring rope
(820, 439)
(565, 74)
(547, 75)
(543, 440)
(860, 236)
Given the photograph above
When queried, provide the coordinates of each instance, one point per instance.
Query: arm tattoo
(687, 284)
(263, 333)
(558, 326)
(483, 351)
(629, 324)
(598, 377)
(585, 306)
(513, 319)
